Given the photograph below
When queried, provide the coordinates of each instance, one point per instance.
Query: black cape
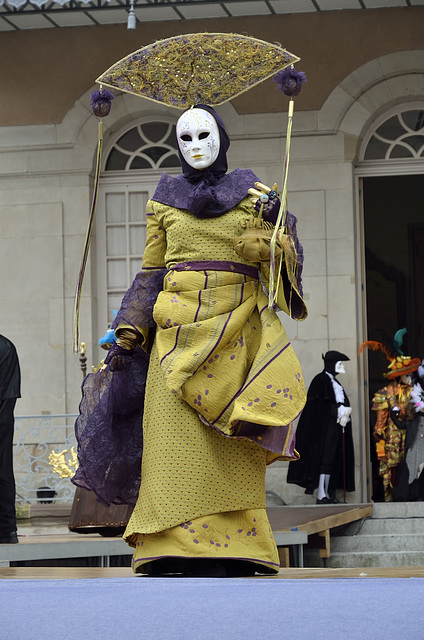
(319, 441)
(10, 374)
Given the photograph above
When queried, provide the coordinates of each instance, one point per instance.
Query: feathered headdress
(399, 364)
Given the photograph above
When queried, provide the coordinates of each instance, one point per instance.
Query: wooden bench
(316, 521)
(54, 547)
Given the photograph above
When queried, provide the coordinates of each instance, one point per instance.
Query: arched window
(147, 145)
(397, 137)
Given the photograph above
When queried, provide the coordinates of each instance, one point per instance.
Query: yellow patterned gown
(223, 388)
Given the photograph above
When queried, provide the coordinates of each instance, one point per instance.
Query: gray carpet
(212, 609)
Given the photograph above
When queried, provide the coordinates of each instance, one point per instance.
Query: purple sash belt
(217, 265)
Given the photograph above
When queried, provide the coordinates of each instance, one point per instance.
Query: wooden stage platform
(292, 527)
(86, 573)
(316, 521)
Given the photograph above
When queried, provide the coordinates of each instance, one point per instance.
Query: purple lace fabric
(137, 304)
(291, 223)
(226, 192)
(109, 426)
(297, 307)
(109, 431)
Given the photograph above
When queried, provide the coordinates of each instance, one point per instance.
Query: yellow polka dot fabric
(235, 535)
(191, 239)
(190, 470)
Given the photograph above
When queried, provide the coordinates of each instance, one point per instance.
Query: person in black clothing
(324, 436)
(10, 390)
(409, 482)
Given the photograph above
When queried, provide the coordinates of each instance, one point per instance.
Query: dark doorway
(394, 267)
(394, 263)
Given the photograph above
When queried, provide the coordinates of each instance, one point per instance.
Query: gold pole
(83, 359)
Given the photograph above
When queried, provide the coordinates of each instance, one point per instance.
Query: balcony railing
(36, 439)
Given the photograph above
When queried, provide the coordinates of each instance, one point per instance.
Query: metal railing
(37, 440)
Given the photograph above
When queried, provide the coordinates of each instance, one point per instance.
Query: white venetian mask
(198, 138)
(339, 368)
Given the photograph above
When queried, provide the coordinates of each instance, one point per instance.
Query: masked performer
(224, 384)
(324, 436)
(389, 403)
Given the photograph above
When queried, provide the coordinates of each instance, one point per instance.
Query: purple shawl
(226, 192)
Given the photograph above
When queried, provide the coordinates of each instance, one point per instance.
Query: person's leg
(7, 479)
(321, 486)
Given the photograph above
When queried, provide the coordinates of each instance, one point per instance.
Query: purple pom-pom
(289, 81)
(101, 102)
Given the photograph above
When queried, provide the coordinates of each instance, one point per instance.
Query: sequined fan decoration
(208, 68)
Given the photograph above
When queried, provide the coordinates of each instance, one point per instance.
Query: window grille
(400, 136)
(148, 145)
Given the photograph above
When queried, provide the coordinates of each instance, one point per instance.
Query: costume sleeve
(381, 407)
(136, 311)
(155, 248)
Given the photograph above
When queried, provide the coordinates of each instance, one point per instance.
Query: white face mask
(406, 379)
(198, 138)
(339, 368)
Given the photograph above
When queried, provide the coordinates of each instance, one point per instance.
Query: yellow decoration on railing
(65, 468)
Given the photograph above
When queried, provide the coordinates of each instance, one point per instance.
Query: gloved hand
(267, 197)
(118, 354)
(117, 357)
(345, 416)
(254, 243)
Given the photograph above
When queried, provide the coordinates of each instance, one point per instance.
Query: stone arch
(370, 90)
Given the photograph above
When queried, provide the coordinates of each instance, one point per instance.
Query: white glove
(344, 415)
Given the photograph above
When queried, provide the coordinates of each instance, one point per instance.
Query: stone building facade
(364, 70)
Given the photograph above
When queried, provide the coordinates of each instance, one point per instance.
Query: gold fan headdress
(205, 68)
(208, 68)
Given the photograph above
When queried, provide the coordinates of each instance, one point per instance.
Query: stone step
(358, 559)
(398, 510)
(375, 559)
(369, 543)
(392, 537)
(379, 526)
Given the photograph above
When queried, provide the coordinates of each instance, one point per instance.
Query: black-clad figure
(324, 436)
(10, 390)
(409, 482)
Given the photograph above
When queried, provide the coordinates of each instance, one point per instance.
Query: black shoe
(324, 500)
(9, 538)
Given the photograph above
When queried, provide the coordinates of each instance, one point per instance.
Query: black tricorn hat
(334, 356)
